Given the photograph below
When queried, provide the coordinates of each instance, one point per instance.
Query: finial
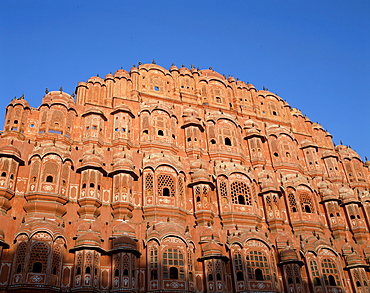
(22, 97)
(61, 89)
(140, 63)
(46, 91)
(153, 62)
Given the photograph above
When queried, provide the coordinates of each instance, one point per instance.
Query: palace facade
(178, 180)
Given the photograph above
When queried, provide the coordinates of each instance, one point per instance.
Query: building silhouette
(178, 180)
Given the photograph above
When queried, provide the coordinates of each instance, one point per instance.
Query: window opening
(227, 141)
(37, 267)
(49, 178)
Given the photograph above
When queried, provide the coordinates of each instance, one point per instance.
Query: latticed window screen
(149, 184)
(292, 202)
(240, 193)
(57, 257)
(21, 255)
(153, 264)
(166, 185)
(330, 273)
(39, 253)
(181, 187)
(173, 264)
(315, 273)
(238, 265)
(257, 266)
(306, 202)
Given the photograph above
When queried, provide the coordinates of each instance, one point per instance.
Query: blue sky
(314, 54)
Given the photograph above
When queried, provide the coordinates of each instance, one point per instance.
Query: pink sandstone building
(178, 180)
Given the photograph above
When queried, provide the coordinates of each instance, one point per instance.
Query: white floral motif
(36, 279)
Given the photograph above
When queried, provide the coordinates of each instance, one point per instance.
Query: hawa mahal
(178, 180)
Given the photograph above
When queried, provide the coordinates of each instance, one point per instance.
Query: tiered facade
(178, 180)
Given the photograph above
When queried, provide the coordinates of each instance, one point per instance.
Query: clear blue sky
(314, 54)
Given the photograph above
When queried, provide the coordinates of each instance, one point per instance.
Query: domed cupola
(326, 192)
(124, 239)
(199, 174)
(191, 118)
(252, 129)
(88, 237)
(10, 151)
(122, 163)
(354, 260)
(288, 255)
(123, 228)
(267, 182)
(92, 159)
(347, 195)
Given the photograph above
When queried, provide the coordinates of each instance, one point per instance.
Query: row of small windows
(227, 141)
(87, 271)
(92, 185)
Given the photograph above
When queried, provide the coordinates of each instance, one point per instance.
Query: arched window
(116, 272)
(37, 267)
(49, 178)
(174, 273)
(315, 273)
(210, 277)
(330, 272)
(125, 272)
(3, 174)
(160, 132)
(38, 257)
(257, 266)
(173, 264)
(238, 266)
(87, 270)
(153, 264)
(306, 202)
(227, 141)
(78, 271)
(92, 185)
(259, 275)
(166, 182)
(165, 192)
(292, 202)
(213, 141)
(240, 193)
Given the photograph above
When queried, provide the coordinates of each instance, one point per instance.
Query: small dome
(123, 228)
(109, 76)
(95, 79)
(353, 259)
(307, 143)
(211, 73)
(212, 249)
(288, 255)
(268, 185)
(88, 239)
(121, 73)
(173, 68)
(10, 150)
(124, 242)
